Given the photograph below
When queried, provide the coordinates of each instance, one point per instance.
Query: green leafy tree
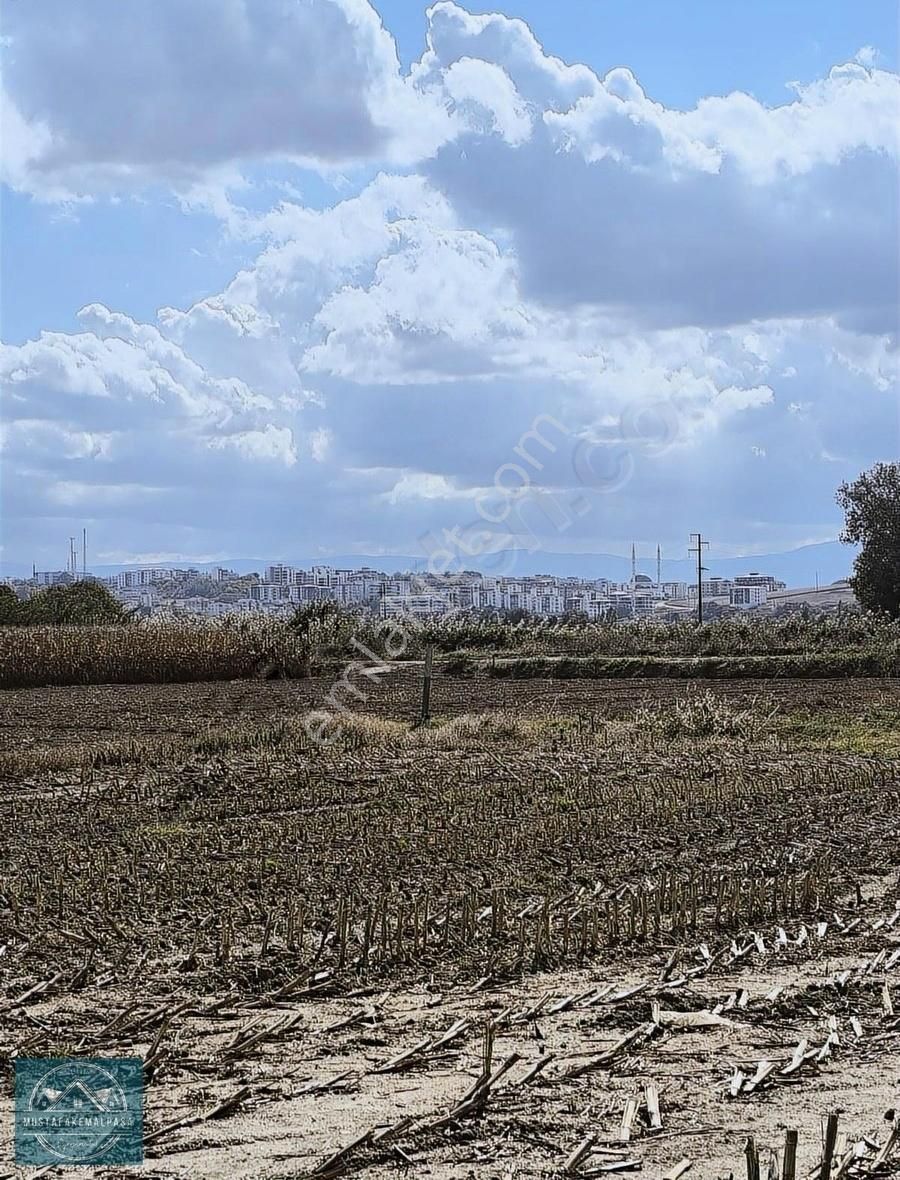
(10, 607)
(80, 604)
(871, 505)
(321, 612)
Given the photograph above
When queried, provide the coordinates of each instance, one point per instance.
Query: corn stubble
(485, 845)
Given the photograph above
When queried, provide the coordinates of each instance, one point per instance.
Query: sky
(297, 278)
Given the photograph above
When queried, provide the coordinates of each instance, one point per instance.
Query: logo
(79, 1110)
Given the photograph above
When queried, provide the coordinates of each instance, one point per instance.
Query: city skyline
(343, 262)
(825, 563)
(432, 593)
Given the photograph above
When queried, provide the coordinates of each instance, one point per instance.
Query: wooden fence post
(831, 1127)
(789, 1163)
(426, 685)
(752, 1160)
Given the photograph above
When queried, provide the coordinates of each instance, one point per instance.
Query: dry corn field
(568, 929)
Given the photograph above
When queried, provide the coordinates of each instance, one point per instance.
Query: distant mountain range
(826, 562)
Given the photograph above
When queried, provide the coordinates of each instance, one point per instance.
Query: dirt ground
(475, 1061)
(43, 717)
(317, 1087)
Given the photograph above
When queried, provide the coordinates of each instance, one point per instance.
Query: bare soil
(283, 1128)
(147, 910)
(52, 717)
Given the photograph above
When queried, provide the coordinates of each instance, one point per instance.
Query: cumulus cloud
(120, 399)
(565, 246)
(111, 95)
(423, 485)
(455, 35)
(621, 230)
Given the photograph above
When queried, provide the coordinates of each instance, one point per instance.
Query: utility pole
(698, 549)
(84, 553)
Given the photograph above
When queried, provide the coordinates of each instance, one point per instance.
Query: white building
(673, 589)
(281, 575)
(323, 575)
(269, 592)
(747, 596)
(51, 577)
(419, 605)
(145, 576)
(298, 595)
(765, 580)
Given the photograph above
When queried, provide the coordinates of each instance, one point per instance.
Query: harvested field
(84, 717)
(646, 920)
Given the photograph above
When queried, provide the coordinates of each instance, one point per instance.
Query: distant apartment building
(323, 575)
(51, 577)
(360, 587)
(673, 589)
(712, 588)
(417, 605)
(269, 592)
(747, 596)
(143, 597)
(305, 592)
(145, 576)
(281, 575)
(765, 580)
(283, 588)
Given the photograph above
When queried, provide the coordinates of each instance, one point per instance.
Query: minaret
(658, 568)
(633, 566)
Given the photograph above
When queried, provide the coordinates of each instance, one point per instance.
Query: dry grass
(150, 653)
(708, 715)
(702, 716)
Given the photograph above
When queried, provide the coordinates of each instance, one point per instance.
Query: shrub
(704, 715)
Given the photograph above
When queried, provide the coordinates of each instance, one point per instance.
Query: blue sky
(285, 278)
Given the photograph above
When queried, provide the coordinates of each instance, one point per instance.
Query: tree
(575, 618)
(81, 604)
(322, 612)
(871, 505)
(9, 605)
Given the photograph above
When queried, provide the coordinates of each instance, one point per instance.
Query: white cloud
(456, 35)
(728, 212)
(319, 443)
(577, 250)
(477, 87)
(272, 443)
(422, 485)
(111, 96)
